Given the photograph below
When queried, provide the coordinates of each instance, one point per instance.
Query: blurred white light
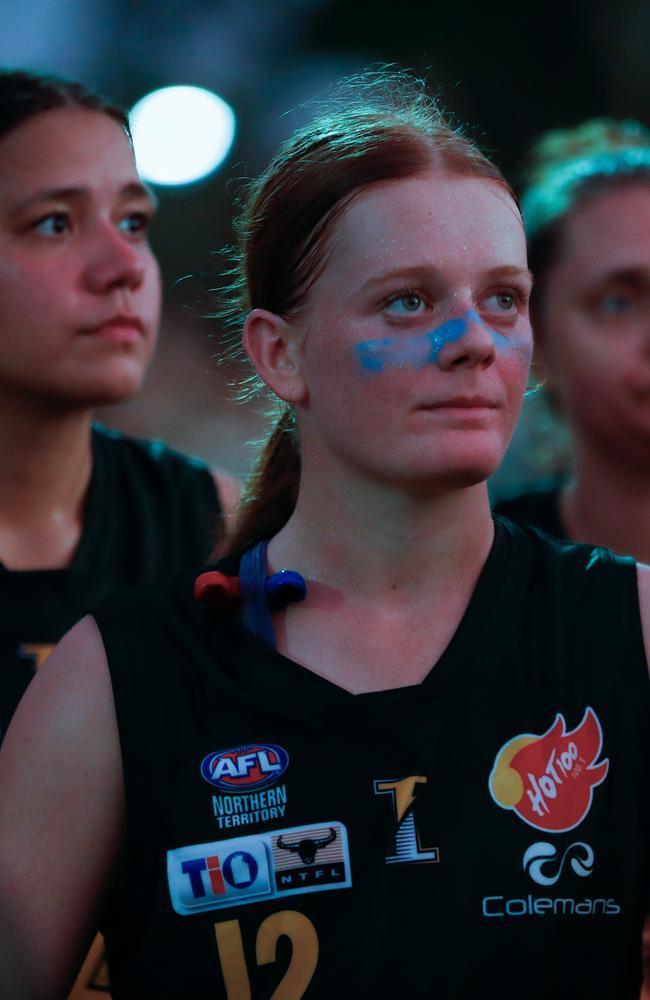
(181, 134)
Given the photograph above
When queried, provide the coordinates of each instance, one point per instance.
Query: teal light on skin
(422, 349)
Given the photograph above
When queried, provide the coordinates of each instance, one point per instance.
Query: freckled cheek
(521, 349)
(330, 359)
(515, 364)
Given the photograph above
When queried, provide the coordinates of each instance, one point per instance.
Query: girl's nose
(474, 348)
(114, 262)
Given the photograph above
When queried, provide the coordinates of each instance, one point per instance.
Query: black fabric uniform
(550, 629)
(150, 512)
(539, 506)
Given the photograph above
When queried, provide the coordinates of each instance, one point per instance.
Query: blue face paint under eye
(423, 348)
(408, 352)
(500, 339)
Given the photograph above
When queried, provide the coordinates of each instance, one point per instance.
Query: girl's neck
(608, 502)
(389, 577)
(388, 546)
(45, 469)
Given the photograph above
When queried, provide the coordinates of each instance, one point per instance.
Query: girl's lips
(122, 329)
(463, 403)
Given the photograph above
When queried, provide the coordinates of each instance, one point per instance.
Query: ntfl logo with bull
(267, 866)
(549, 780)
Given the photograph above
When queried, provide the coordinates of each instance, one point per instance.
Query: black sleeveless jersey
(482, 834)
(150, 512)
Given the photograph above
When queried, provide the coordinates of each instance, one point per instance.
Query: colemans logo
(548, 780)
(242, 769)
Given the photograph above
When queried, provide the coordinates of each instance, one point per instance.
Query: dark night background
(510, 71)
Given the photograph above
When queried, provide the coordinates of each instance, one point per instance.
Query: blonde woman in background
(587, 217)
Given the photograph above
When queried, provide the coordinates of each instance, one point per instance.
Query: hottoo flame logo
(243, 769)
(548, 780)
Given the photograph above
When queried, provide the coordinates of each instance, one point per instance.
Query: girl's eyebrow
(136, 189)
(632, 277)
(502, 271)
(510, 271)
(133, 189)
(400, 273)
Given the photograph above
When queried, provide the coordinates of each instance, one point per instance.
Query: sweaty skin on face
(406, 316)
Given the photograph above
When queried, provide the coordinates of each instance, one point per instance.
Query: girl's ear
(274, 348)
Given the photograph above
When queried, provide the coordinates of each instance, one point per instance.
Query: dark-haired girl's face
(416, 335)
(594, 321)
(79, 286)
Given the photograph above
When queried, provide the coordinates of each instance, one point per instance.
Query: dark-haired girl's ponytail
(270, 496)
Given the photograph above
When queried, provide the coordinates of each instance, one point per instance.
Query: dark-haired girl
(428, 776)
(83, 511)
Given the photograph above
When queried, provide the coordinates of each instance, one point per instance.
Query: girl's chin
(462, 471)
(432, 482)
(100, 392)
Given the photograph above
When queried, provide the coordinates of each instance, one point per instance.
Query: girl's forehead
(621, 210)
(606, 232)
(63, 134)
(428, 217)
(65, 147)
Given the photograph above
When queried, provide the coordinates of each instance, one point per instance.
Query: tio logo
(239, 869)
(225, 873)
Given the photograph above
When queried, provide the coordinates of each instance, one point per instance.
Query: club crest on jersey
(243, 769)
(548, 780)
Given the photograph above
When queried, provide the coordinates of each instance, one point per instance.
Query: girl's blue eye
(406, 304)
(504, 302)
(614, 305)
(54, 224)
(134, 223)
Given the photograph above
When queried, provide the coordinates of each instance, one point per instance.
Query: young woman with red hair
(377, 750)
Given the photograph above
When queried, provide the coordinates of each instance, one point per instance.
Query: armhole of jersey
(104, 618)
(215, 495)
(113, 638)
(617, 587)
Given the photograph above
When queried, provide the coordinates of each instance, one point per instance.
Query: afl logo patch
(242, 769)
